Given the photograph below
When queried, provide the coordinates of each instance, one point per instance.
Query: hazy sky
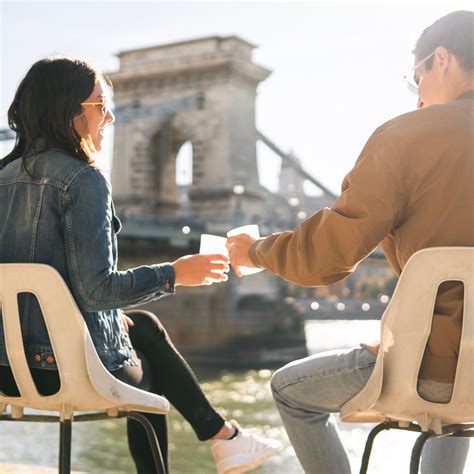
(337, 66)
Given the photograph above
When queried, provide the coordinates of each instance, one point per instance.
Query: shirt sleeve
(328, 246)
(88, 228)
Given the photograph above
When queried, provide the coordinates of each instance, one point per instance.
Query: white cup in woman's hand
(214, 244)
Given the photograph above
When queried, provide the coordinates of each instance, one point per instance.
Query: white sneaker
(242, 453)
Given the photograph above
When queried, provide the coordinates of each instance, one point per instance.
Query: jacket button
(50, 359)
(37, 358)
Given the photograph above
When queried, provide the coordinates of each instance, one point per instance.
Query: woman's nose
(110, 117)
(420, 104)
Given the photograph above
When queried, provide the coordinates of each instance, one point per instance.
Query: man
(411, 188)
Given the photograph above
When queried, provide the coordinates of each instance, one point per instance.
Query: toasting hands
(239, 248)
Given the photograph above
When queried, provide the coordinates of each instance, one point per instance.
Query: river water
(101, 447)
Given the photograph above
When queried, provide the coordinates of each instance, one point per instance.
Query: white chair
(391, 395)
(86, 385)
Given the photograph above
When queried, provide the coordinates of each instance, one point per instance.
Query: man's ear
(441, 58)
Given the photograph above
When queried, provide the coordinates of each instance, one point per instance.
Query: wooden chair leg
(65, 432)
(152, 440)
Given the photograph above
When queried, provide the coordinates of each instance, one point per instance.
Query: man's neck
(463, 84)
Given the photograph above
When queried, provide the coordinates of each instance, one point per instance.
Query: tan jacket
(411, 188)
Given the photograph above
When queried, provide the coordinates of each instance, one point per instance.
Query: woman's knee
(146, 325)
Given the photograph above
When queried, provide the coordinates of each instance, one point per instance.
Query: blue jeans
(307, 391)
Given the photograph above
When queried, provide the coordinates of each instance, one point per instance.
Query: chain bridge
(203, 92)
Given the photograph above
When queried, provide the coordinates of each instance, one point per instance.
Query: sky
(337, 66)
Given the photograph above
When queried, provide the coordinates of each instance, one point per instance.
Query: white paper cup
(213, 244)
(252, 231)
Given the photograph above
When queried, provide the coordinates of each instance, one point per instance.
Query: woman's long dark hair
(45, 104)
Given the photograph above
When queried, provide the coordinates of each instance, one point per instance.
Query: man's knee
(278, 382)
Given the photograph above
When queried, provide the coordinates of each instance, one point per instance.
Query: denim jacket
(64, 217)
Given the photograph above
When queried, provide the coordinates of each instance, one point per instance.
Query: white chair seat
(86, 385)
(391, 393)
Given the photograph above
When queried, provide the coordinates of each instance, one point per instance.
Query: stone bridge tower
(202, 91)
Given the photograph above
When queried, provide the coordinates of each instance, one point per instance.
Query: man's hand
(197, 270)
(239, 247)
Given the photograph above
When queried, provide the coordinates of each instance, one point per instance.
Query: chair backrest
(405, 328)
(85, 383)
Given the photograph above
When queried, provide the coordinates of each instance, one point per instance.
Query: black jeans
(162, 370)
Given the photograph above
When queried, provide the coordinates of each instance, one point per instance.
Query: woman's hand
(126, 321)
(196, 270)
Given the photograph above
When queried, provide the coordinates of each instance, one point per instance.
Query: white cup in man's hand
(252, 231)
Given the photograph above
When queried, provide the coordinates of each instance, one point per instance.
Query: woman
(56, 209)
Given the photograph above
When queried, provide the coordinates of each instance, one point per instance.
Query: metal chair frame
(65, 434)
(457, 430)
